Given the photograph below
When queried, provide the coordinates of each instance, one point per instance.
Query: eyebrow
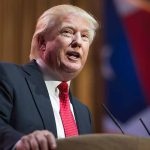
(73, 28)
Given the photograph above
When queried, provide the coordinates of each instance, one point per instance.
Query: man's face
(66, 47)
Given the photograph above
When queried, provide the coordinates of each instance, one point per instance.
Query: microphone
(144, 126)
(113, 118)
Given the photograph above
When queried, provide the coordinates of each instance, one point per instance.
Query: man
(32, 96)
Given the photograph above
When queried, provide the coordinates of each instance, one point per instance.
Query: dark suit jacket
(25, 104)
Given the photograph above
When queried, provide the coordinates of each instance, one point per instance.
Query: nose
(77, 40)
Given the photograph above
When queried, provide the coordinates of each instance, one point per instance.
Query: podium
(104, 142)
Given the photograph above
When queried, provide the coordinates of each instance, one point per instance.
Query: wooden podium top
(104, 142)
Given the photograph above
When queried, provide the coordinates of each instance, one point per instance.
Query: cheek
(50, 53)
(64, 41)
(85, 52)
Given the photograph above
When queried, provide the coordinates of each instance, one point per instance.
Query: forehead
(75, 21)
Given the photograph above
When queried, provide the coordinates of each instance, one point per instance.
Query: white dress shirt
(53, 92)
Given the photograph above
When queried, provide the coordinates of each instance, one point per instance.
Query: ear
(41, 43)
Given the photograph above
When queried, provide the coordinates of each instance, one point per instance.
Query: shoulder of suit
(9, 66)
(11, 70)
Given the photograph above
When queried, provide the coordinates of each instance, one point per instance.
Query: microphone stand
(113, 118)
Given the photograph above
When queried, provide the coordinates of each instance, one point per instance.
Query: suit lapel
(40, 96)
(78, 115)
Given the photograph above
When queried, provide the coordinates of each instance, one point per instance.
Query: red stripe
(138, 32)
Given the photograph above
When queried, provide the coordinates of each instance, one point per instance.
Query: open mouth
(73, 55)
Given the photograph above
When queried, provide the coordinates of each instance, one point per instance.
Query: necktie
(69, 124)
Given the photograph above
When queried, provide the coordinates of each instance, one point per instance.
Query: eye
(67, 32)
(85, 36)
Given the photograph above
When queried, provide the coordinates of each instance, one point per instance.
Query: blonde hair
(48, 19)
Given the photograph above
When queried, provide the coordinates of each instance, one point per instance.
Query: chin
(72, 67)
